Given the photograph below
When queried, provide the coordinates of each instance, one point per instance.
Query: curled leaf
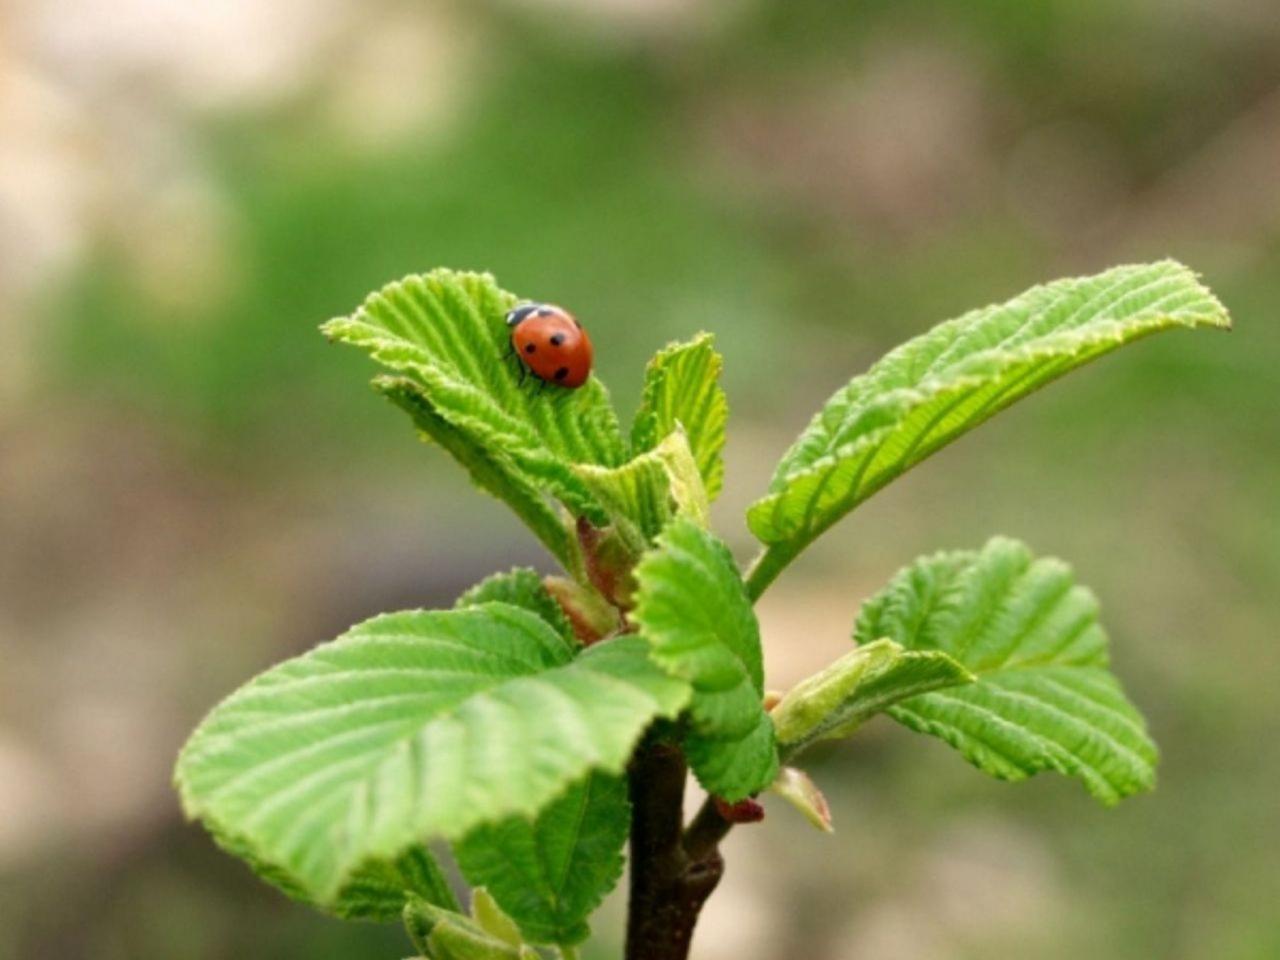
(798, 789)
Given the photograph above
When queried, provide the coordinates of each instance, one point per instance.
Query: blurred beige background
(192, 485)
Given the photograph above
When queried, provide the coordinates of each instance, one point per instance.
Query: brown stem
(670, 879)
(706, 831)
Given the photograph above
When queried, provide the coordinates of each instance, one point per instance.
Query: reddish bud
(744, 811)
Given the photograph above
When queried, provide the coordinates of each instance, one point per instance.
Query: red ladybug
(551, 344)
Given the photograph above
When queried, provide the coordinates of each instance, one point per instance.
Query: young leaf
(681, 387)
(422, 916)
(521, 587)
(413, 726)
(689, 494)
(489, 471)
(551, 872)
(491, 918)
(445, 331)
(636, 498)
(453, 941)
(1044, 698)
(441, 934)
(838, 699)
(641, 495)
(379, 890)
(932, 389)
(693, 610)
(798, 789)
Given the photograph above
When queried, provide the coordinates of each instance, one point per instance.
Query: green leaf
(413, 726)
(454, 941)
(636, 498)
(934, 388)
(688, 493)
(441, 934)
(379, 890)
(445, 331)
(643, 494)
(489, 471)
(798, 789)
(693, 610)
(520, 587)
(421, 917)
(838, 699)
(682, 387)
(489, 917)
(551, 872)
(1044, 698)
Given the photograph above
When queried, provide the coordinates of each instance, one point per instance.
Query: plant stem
(769, 562)
(670, 880)
(705, 832)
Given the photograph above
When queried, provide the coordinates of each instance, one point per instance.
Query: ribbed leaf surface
(932, 389)
(521, 587)
(636, 497)
(645, 492)
(682, 386)
(693, 610)
(445, 331)
(379, 890)
(413, 726)
(1044, 698)
(549, 873)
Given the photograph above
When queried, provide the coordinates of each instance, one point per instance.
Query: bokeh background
(193, 485)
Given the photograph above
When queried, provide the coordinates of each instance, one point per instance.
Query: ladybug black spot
(530, 347)
(562, 373)
(517, 316)
(557, 339)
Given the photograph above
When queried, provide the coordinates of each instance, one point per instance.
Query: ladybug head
(515, 316)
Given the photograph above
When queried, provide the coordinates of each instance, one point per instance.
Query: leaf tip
(798, 789)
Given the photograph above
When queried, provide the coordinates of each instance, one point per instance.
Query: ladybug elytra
(551, 344)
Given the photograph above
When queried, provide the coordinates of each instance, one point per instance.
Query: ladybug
(550, 343)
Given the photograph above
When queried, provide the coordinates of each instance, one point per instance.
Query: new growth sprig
(523, 740)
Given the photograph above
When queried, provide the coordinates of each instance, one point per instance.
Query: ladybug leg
(542, 385)
(524, 372)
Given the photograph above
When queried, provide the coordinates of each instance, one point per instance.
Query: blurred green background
(194, 485)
